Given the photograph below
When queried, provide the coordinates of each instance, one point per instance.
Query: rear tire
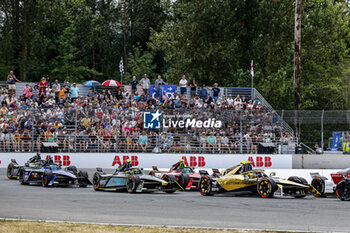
(47, 178)
(183, 180)
(96, 178)
(132, 183)
(266, 188)
(319, 184)
(10, 170)
(343, 190)
(83, 183)
(205, 186)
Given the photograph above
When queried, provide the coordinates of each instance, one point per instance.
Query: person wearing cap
(56, 87)
(183, 85)
(248, 166)
(74, 90)
(11, 81)
(43, 85)
(127, 165)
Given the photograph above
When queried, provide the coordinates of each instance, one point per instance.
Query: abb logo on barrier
(260, 161)
(193, 162)
(64, 159)
(134, 160)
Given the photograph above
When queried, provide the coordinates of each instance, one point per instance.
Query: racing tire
(132, 183)
(96, 178)
(47, 176)
(21, 177)
(73, 169)
(206, 185)
(319, 184)
(343, 190)
(183, 180)
(266, 187)
(10, 171)
(85, 176)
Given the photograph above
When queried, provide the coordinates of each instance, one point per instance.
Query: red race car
(340, 185)
(185, 176)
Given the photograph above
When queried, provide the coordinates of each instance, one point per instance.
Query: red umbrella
(111, 83)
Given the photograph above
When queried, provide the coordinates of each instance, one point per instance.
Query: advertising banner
(147, 160)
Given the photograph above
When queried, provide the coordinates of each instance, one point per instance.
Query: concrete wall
(325, 161)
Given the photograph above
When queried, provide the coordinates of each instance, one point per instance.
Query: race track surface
(187, 209)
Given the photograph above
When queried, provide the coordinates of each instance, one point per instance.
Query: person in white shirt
(230, 101)
(183, 85)
(145, 82)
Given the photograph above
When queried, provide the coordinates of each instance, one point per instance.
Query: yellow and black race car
(241, 179)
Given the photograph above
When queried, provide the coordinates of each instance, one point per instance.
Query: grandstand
(111, 121)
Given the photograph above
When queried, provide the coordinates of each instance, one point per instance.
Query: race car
(339, 185)
(51, 174)
(132, 179)
(185, 176)
(13, 168)
(241, 179)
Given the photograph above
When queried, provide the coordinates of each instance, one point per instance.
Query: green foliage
(140, 63)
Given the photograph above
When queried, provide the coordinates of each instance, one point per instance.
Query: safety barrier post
(322, 143)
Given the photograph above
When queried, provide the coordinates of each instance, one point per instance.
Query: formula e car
(131, 179)
(51, 174)
(238, 179)
(185, 176)
(339, 185)
(13, 168)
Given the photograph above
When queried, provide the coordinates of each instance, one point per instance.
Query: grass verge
(53, 227)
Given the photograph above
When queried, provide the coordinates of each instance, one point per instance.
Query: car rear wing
(155, 168)
(203, 172)
(99, 169)
(14, 161)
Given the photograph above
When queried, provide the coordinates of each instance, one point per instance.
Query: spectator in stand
(145, 82)
(177, 142)
(74, 90)
(203, 93)
(216, 92)
(193, 86)
(143, 141)
(56, 87)
(133, 84)
(183, 85)
(211, 141)
(208, 101)
(11, 81)
(158, 86)
(43, 86)
(49, 83)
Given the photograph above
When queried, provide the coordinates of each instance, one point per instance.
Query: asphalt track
(188, 209)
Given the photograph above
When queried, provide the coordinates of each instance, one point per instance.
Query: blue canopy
(92, 83)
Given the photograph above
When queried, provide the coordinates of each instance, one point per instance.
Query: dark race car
(14, 168)
(131, 179)
(51, 174)
(185, 176)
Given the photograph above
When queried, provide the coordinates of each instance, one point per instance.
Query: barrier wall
(325, 161)
(147, 160)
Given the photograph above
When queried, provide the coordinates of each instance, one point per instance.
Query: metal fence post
(322, 143)
(75, 129)
(33, 130)
(240, 134)
(281, 141)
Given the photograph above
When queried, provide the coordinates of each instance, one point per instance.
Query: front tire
(343, 190)
(47, 178)
(132, 183)
(21, 177)
(205, 186)
(96, 181)
(183, 180)
(266, 188)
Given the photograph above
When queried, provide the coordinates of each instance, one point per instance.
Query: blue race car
(51, 174)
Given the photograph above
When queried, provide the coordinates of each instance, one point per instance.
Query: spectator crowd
(111, 120)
